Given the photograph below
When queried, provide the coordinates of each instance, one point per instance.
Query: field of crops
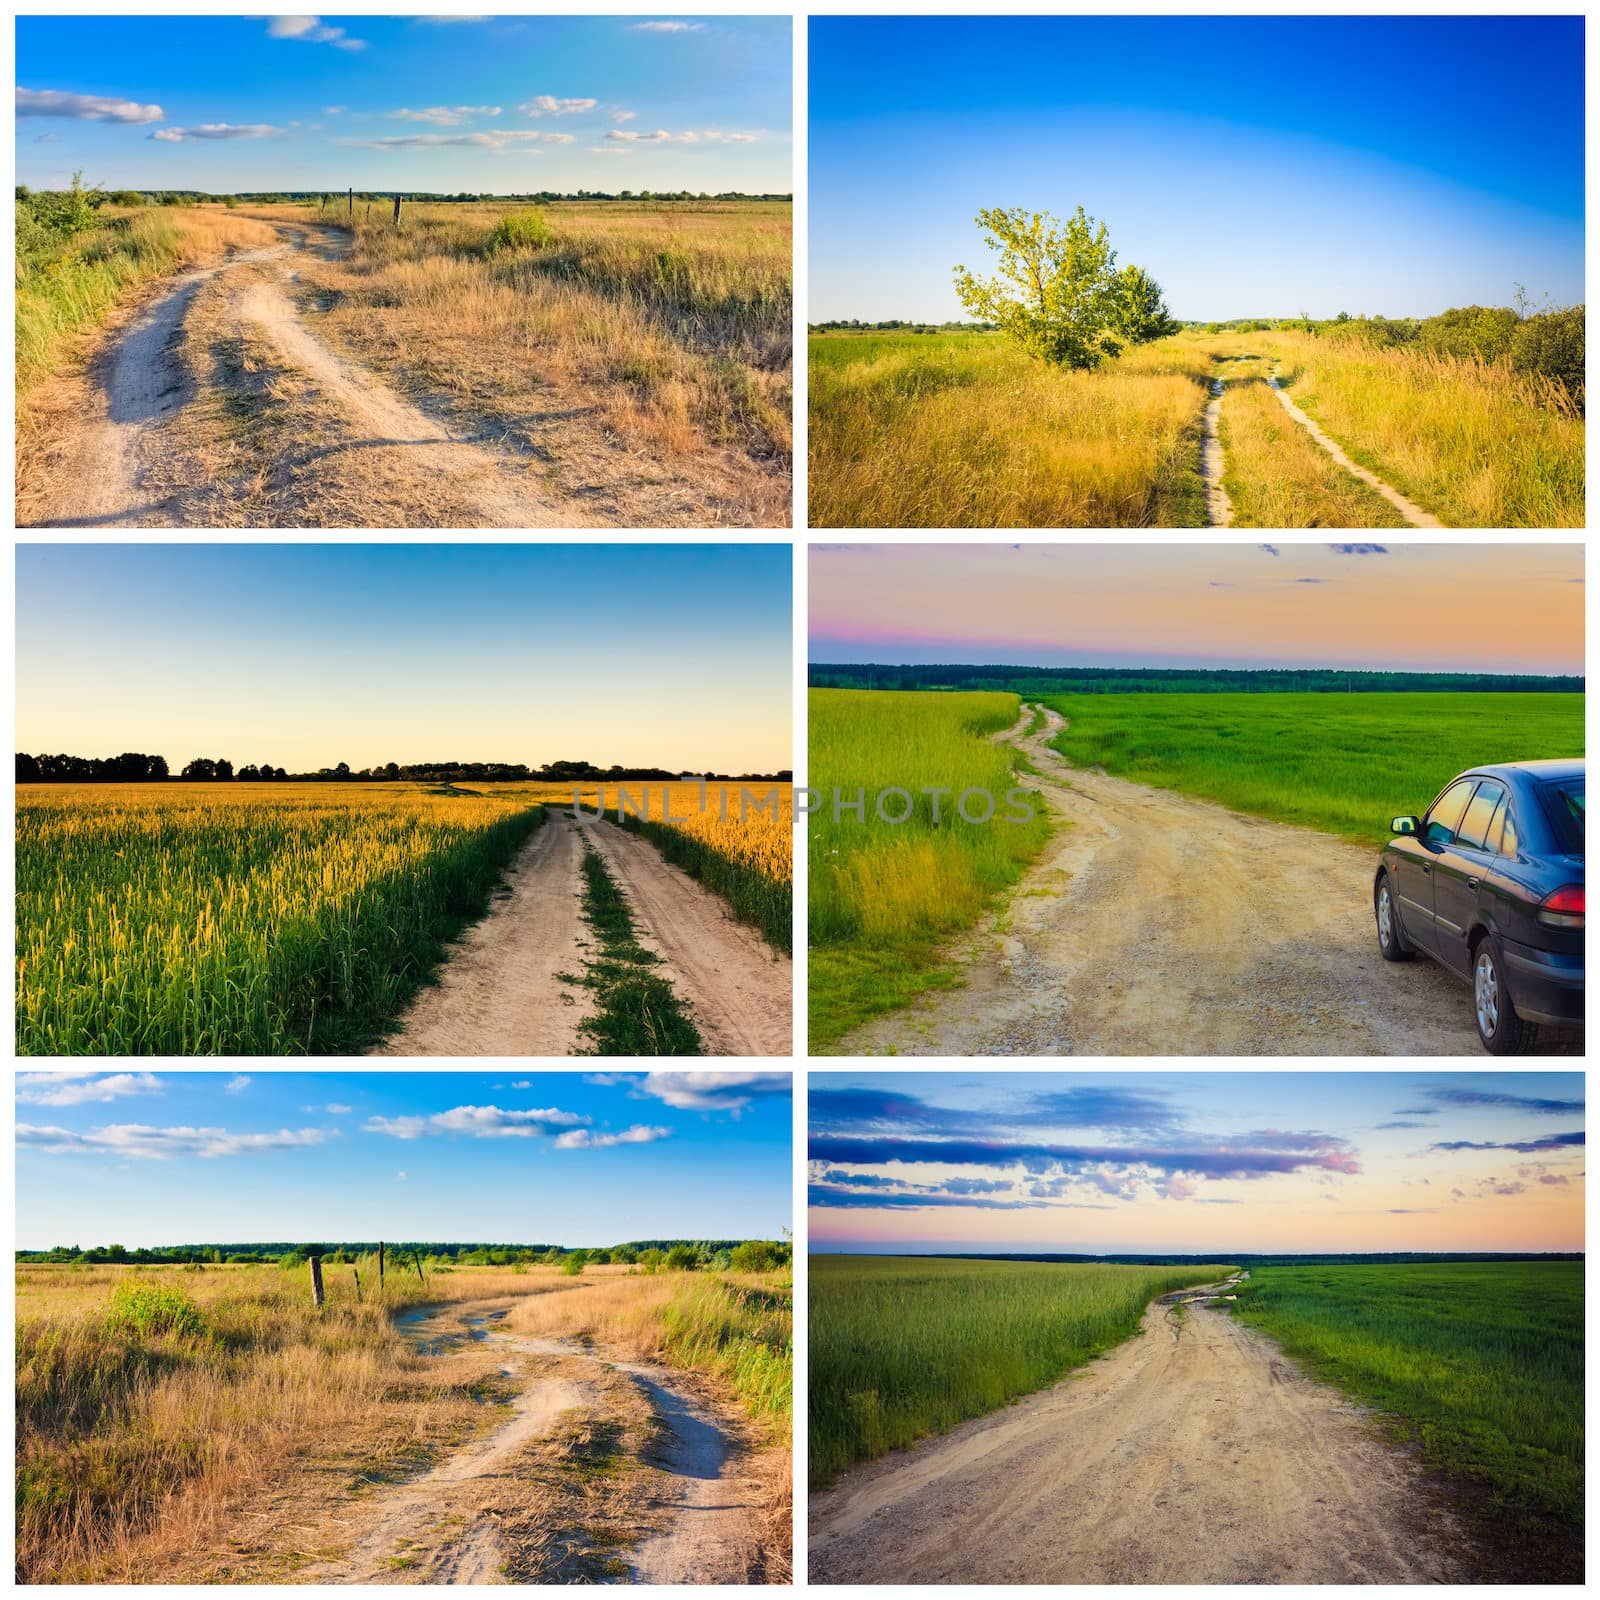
(883, 897)
(966, 430)
(204, 919)
(1342, 763)
(1482, 1364)
(903, 1348)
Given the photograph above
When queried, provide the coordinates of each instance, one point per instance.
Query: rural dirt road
(1219, 509)
(434, 1529)
(142, 388)
(1157, 924)
(501, 991)
(1192, 1454)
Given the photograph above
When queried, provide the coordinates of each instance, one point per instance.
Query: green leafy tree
(682, 1258)
(1058, 292)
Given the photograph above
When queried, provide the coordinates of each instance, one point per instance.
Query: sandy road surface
(738, 990)
(500, 992)
(1156, 924)
(1192, 1454)
(433, 1526)
(1413, 513)
(142, 389)
(1219, 508)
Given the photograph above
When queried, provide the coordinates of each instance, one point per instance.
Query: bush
(521, 230)
(651, 1260)
(682, 1258)
(754, 1255)
(1552, 343)
(1483, 333)
(151, 1308)
(574, 1263)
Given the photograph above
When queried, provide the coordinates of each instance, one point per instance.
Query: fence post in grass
(357, 1272)
(418, 1255)
(316, 1281)
(380, 1268)
(350, 201)
(397, 211)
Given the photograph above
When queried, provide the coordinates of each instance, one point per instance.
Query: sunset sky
(677, 656)
(578, 1159)
(1196, 1162)
(1464, 608)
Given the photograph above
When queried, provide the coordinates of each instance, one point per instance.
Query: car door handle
(1426, 869)
(1472, 883)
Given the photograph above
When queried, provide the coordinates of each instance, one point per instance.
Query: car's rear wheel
(1392, 944)
(1501, 1030)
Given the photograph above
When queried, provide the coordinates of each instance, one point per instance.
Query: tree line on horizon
(134, 767)
(1179, 680)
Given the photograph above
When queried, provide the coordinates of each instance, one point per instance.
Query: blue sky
(1256, 165)
(308, 655)
(1195, 1162)
(482, 104)
(143, 1159)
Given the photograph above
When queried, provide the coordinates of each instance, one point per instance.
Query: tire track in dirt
(1219, 508)
(1413, 513)
(1157, 924)
(429, 1531)
(1193, 1454)
(739, 992)
(499, 992)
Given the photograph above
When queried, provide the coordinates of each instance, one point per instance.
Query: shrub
(152, 1308)
(682, 1258)
(520, 230)
(651, 1260)
(1552, 343)
(574, 1264)
(754, 1255)
(1481, 332)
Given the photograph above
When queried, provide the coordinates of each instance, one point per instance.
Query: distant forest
(1247, 1260)
(133, 767)
(1179, 680)
(400, 1251)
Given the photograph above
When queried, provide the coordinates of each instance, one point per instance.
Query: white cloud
(623, 116)
(79, 1086)
(608, 150)
(237, 1085)
(666, 27)
(217, 130)
(444, 116)
(583, 1139)
(332, 1110)
(714, 1091)
(661, 136)
(609, 1080)
(333, 111)
(441, 21)
(399, 1177)
(547, 105)
(481, 1122)
(310, 30)
(157, 1144)
(496, 139)
(83, 107)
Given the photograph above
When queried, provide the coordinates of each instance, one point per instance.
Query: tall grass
(1474, 442)
(903, 1348)
(192, 919)
(964, 430)
(1342, 763)
(883, 897)
(1482, 1364)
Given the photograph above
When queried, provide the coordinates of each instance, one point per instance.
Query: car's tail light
(1564, 908)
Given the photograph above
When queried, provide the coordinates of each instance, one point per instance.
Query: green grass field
(903, 1348)
(1343, 763)
(1481, 1364)
(883, 897)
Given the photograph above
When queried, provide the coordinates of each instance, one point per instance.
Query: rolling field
(965, 430)
(903, 1348)
(883, 897)
(1344, 764)
(1481, 1364)
(202, 919)
(156, 1407)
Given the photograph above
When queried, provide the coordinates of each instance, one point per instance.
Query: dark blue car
(1490, 884)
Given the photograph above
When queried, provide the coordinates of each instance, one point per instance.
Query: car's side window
(1491, 838)
(1445, 816)
(1474, 825)
(1508, 835)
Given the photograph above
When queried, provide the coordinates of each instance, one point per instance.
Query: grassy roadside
(639, 1014)
(1479, 1365)
(1326, 761)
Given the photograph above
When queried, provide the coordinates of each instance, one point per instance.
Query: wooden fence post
(380, 1266)
(316, 1280)
(357, 1272)
(397, 211)
(350, 201)
(418, 1255)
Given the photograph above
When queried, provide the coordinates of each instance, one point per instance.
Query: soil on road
(1157, 924)
(1193, 1454)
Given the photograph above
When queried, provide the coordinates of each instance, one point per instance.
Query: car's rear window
(1563, 801)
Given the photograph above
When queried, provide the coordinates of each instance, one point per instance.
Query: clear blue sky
(1256, 165)
(307, 655)
(137, 1158)
(317, 103)
(1196, 1162)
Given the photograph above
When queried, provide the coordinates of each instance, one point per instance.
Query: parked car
(1489, 882)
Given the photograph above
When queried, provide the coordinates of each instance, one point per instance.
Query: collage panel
(404, 271)
(349, 1327)
(1089, 272)
(525, 800)
(1184, 1328)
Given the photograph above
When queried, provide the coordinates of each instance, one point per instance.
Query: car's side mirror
(1403, 825)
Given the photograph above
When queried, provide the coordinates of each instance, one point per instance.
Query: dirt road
(738, 991)
(1219, 509)
(116, 477)
(500, 993)
(1193, 1454)
(435, 1528)
(1156, 924)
